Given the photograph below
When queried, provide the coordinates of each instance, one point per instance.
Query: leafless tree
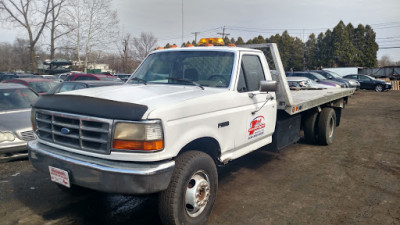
(58, 24)
(144, 45)
(95, 25)
(14, 56)
(6, 57)
(30, 15)
(385, 61)
(127, 61)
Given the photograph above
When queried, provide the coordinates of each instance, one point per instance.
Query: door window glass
(251, 73)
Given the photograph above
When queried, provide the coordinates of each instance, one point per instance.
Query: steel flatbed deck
(303, 100)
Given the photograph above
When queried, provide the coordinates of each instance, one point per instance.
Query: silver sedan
(15, 125)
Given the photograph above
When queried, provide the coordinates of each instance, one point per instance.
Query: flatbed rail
(307, 99)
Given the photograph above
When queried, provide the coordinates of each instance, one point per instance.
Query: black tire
(326, 126)
(310, 127)
(193, 171)
(378, 88)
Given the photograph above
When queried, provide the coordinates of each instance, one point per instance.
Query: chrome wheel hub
(197, 194)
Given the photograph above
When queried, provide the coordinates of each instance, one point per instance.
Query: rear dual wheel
(326, 126)
(320, 127)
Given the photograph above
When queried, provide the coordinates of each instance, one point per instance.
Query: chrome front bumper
(103, 175)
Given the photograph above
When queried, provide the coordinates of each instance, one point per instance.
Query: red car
(89, 76)
(39, 85)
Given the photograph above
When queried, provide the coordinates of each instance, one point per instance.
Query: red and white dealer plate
(59, 176)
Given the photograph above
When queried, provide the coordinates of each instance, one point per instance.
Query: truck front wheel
(191, 193)
(326, 126)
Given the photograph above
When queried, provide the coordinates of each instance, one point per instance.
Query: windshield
(42, 86)
(206, 68)
(11, 99)
(333, 74)
(318, 76)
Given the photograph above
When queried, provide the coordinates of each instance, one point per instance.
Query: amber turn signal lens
(138, 145)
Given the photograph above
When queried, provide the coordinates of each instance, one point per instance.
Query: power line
(389, 47)
(223, 33)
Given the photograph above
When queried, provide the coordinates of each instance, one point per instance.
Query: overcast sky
(250, 18)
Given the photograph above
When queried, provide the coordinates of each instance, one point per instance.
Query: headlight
(146, 136)
(6, 136)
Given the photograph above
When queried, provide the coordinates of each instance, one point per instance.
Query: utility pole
(195, 36)
(182, 21)
(223, 33)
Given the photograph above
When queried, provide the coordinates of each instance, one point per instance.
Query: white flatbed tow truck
(183, 112)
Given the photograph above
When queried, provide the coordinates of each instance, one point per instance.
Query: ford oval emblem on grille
(65, 130)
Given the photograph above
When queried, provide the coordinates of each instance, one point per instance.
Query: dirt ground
(356, 180)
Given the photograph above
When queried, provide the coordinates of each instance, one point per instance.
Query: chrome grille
(27, 135)
(75, 131)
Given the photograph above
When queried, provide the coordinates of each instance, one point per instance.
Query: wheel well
(207, 145)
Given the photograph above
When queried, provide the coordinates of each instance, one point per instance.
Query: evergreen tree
(296, 60)
(284, 46)
(371, 48)
(319, 51)
(343, 49)
(239, 41)
(233, 40)
(359, 42)
(226, 40)
(258, 40)
(310, 53)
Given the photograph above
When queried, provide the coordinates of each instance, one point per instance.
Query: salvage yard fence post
(395, 85)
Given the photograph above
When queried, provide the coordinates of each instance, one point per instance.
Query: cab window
(251, 73)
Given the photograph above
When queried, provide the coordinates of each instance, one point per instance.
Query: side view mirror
(330, 77)
(268, 85)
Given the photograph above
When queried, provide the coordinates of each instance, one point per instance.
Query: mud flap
(287, 132)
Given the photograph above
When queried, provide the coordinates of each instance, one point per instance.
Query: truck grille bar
(75, 131)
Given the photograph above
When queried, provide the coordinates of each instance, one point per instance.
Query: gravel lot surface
(356, 180)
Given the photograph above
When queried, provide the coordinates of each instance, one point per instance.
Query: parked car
(76, 85)
(123, 77)
(317, 78)
(52, 77)
(15, 120)
(304, 82)
(7, 76)
(368, 82)
(89, 76)
(336, 77)
(39, 85)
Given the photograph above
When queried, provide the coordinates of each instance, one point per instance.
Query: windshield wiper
(187, 81)
(139, 79)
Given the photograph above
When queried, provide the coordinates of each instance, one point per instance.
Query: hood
(151, 95)
(15, 120)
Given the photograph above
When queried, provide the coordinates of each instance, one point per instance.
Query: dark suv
(368, 82)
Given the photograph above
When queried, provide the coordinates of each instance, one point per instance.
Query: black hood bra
(90, 106)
